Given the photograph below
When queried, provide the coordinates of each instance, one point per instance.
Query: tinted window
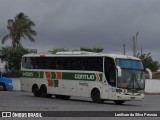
(64, 63)
(133, 64)
(110, 71)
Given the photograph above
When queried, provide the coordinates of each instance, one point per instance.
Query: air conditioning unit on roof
(74, 52)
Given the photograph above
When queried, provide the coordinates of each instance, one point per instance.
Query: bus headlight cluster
(122, 91)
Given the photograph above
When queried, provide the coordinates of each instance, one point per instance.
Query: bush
(13, 73)
(12, 56)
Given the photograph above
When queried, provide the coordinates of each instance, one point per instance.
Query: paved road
(25, 101)
(21, 101)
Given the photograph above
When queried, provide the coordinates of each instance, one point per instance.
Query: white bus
(100, 76)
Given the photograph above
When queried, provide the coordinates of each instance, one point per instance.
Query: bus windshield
(132, 74)
(130, 64)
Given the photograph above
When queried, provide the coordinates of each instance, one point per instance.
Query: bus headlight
(124, 91)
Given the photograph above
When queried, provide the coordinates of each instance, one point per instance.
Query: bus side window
(85, 63)
(57, 63)
(28, 63)
(97, 64)
(24, 62)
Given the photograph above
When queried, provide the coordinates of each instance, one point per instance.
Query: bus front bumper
(130, 97)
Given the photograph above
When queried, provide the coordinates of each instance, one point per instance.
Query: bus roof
(80, 54)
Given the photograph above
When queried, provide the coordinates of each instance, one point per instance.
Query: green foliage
(96, 50)
(149, 62)
(12, 73)
(55, 50)
(12, 56)
(20, 27)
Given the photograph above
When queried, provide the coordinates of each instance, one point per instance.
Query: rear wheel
(2, 87)
(43, 92)
(119, 102)
(95, 95)
(36, 91)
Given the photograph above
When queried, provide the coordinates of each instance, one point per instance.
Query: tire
(119, 102)
(43, 92)
(95, 95)
(36, 91)
(2, 87)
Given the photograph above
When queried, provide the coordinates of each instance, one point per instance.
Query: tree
(148, 61)
(96, 50)
(12, 56)
(20, 27)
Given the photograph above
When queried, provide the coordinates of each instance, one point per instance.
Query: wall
(152, 86)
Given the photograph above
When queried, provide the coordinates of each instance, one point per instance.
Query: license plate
(132, 98)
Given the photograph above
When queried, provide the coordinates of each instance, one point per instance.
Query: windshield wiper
(138, 83)
(133, 82)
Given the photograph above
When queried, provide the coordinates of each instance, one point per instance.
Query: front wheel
(43, 92)
(95, 95)
(119, 102)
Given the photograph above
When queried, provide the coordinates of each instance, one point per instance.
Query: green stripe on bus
(65, 75)
(56, 83)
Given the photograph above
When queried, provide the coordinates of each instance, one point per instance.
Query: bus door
(110, 75)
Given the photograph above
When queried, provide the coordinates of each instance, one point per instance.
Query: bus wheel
(2, 87)
(36, 91)
(95, 95)
(119, 102)
(43, 92)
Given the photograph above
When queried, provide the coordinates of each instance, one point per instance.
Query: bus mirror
(119, 71)
(149, 72)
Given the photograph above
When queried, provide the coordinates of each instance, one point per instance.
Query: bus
(118, 78)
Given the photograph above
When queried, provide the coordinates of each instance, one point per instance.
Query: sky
(72, 24)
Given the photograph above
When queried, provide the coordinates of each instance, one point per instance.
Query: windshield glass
(132, 74)
(130, 64)
(132, 79)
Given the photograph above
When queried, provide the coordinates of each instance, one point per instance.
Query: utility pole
(124, 49)
(141, 50)
(124, 46)
(136, 43)
(134, 46)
